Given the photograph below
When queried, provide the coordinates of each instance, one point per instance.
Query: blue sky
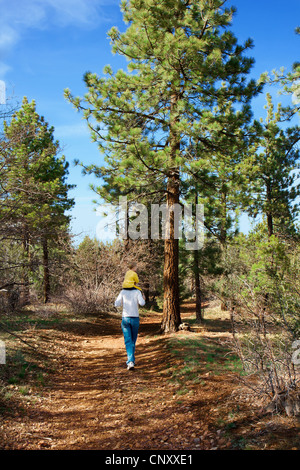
(47, 46)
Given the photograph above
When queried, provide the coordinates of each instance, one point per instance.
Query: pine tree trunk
(223, 232)
(198, 292)
(46, 270)
(270, 225)
(171, 308)
(147, 292)
(270, 232)
(269, 213)
(25, 271)
(126, 223)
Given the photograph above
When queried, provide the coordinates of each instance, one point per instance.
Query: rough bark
(46, 270)
(198, 293)
(171, 308)
(25, 274)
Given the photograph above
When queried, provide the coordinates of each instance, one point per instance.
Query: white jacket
(130, 300)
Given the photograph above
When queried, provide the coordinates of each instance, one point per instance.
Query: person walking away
(130, 299)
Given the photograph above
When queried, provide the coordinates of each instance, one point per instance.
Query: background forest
(176, 127)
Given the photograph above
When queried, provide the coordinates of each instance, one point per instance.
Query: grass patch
(28, 353)
(198, 355)
(21, 379)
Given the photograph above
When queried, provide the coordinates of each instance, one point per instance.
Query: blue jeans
(130, 328)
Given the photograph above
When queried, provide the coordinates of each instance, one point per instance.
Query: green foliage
(184, 67)
(273, 173)
(261, 289)
(34, 197)
(263, 274)
(35, 180)
(289, 82)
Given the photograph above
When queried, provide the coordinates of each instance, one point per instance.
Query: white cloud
(75, 11)
(72, 130)
(8, 36)
(37, 13)
(2, 92)
(17, 16)
(4, 68)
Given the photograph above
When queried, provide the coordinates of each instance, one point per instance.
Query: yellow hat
(131, 279)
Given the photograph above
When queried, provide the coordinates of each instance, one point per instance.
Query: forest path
(93, 402)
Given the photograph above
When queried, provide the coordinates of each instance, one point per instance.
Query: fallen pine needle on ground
(76, 393)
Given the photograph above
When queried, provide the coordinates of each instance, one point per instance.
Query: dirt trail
(93, 402)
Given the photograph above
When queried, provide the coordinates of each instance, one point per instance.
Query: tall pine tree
(183, 61)
(272, 169)
(36, 191)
